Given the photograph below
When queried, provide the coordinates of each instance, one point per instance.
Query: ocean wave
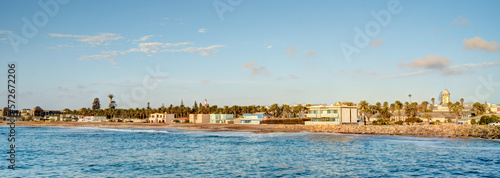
(134, 130)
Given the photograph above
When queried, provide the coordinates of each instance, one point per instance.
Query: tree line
(275, 110)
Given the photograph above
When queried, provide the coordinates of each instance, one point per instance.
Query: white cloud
(97, 56)
(147, 47)
(478, 43)
(249, 64)
(114, 53)
(178, 44)
(2, 39)
(144, 38)
(154, 47)
(378, 42)
(269, 47)
(5, 32)
(461, 20)
(202, 30)
(102, 38)
(204, 51)
(430, 61)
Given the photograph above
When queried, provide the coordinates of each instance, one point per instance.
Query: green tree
(478, 108)
(424, 106)
(96, 104)
(111, 103)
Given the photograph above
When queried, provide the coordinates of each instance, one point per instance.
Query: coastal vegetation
(275, 110)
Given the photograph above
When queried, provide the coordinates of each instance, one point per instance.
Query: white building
(332, 115)
(161, 118)
(199, 118)
(220, 118)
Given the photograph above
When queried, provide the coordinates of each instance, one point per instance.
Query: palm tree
(409, 97)
(379, 106)
(399, 106)
(424, 105)
(457, 109)
(110, 96)
(432, 108)
(462, 102)
(363, 106)
(385, 112)
(275, 110)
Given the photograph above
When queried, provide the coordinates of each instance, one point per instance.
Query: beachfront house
(337, 114)
(253, 118)
(199, 118)
(161, 118)
(220, 118)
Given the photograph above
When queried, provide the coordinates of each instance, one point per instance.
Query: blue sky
(249, 52)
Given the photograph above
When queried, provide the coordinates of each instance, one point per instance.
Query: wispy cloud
(202, 30)
(430, 61)
(144, 38)
(407, 74)
(102, 38)
(249, 64)
(5, 32)
(449, 70)
(98, 57)
(256, 70)
(290, 76)
(260, 70)
(461, 20)
(311, 52)
(204, 51)
(269, 47)
(478, 43)
(154, 47)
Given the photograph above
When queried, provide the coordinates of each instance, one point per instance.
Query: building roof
(445, 92)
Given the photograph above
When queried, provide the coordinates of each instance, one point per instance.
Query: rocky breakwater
(445, 130)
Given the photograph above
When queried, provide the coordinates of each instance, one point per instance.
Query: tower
(205, 102)
(445, 96)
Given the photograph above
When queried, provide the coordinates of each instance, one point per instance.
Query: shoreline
(430, 131)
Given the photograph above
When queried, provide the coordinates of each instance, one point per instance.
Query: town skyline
(258, 53)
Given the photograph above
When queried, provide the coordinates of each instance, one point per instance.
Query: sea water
(103, 152)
